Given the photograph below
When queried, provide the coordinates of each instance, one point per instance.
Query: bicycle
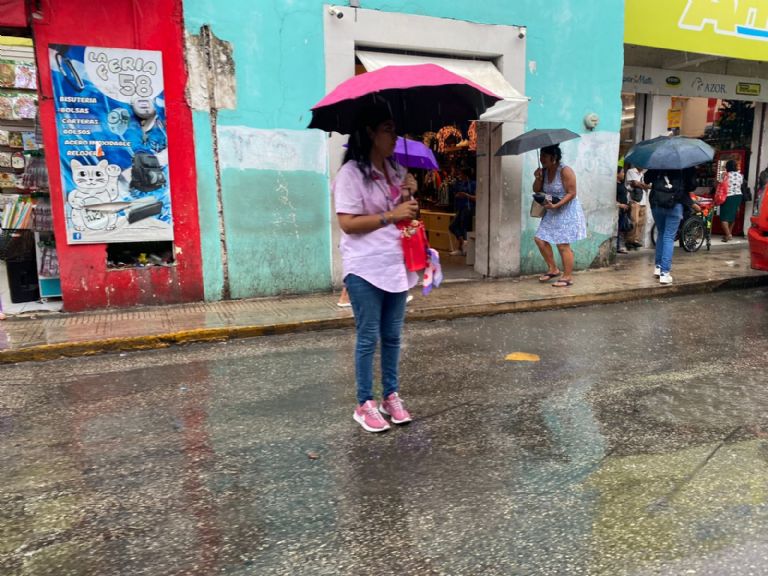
(695, 229)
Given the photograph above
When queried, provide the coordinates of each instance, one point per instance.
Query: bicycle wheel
(692, 234)
(653, 234)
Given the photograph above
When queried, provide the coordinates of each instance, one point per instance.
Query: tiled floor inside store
(9, 308)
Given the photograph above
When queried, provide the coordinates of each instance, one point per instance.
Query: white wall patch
(245, 148)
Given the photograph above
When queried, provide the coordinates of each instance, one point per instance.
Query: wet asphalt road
(638, 445)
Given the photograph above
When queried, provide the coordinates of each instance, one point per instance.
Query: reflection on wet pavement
(638, 445)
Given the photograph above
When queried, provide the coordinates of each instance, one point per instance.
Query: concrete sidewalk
(52, 336)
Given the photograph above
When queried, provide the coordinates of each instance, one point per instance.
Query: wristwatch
(383, 219)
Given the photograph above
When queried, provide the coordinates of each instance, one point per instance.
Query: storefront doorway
(351, 45)
(29, 268)
(449, 194)
(719, 100)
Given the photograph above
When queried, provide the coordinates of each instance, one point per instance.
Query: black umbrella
(535, 139)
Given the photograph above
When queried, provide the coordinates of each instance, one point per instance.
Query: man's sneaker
(393, 407)
(657, 271)
(665, 278)
(367, 415)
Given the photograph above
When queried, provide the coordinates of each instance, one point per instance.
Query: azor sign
(729, 28)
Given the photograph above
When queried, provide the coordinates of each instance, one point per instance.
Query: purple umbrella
(414, 154)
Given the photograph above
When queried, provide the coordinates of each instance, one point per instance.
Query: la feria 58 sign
(729, 28)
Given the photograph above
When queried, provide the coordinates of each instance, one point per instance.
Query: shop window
(139, 255)
(628, 123)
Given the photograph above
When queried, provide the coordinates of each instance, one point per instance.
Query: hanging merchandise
(49, 261)
(42, 219)
(472, 135)
(38, 133)
(111, 123)
(17, 160)
(446, 135)
(28, 141)
(35, 174)
(26, 77)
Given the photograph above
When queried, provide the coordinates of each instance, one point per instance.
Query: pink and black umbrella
(422, 98)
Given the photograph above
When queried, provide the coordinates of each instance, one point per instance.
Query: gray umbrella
(535, 139)
(670, 153)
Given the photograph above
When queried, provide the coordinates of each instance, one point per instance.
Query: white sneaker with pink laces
(367, 415)
(392, 406)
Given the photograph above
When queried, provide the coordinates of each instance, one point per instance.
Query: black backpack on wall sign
(146, 173)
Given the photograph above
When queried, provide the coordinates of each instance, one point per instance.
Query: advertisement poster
(113, 146)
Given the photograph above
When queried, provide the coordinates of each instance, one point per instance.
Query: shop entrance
(454, 192)
(719, 100)
(29, 268)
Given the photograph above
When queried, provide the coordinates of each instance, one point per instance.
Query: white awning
(480, 72)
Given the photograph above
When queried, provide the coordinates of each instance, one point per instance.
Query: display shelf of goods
(48, 274)
(17, 106)
(21, 75)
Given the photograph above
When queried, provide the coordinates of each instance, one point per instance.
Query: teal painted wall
(213, 272)
(577, 49)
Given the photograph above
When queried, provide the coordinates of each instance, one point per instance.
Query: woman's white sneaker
(657, 271)
(665, 278)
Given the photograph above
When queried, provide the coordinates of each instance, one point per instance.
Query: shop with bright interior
(447, 197)
(671, 96)
(444, 163)
(29, 269)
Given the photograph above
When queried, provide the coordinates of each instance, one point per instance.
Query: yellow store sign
(731, 28)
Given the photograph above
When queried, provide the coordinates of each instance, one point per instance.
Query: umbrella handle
(405, 145)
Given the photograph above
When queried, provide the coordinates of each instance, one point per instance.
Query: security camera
(522, 33)
(336, 12)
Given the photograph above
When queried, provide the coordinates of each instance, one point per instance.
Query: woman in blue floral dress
(563, 222)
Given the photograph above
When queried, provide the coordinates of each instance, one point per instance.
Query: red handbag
(721, 193)
(415, 244)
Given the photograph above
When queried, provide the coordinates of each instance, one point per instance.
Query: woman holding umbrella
(669, 160)
(370, 191)
(564, 222)
(669, 198)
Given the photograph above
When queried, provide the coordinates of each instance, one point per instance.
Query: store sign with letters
(693, 84)
(732, 28)
(113, 147)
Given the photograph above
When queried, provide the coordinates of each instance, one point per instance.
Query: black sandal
(549, 276)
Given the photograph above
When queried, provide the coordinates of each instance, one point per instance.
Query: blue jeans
(667, 223)
(378, 314)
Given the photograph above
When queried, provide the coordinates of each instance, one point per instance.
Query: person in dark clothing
(670, 194)
(622, 203)
(464, 204)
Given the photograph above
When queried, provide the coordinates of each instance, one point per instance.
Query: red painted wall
(13, 13)
(158, 25)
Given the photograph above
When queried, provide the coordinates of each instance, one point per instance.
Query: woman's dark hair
(731, 166)
(553, 151)
(619, 169)
(360, 144)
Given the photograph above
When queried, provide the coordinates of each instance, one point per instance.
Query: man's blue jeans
(378, 315)
(667, 222)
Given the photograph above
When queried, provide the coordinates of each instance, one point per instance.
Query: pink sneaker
(369, 418)
(393, 407)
